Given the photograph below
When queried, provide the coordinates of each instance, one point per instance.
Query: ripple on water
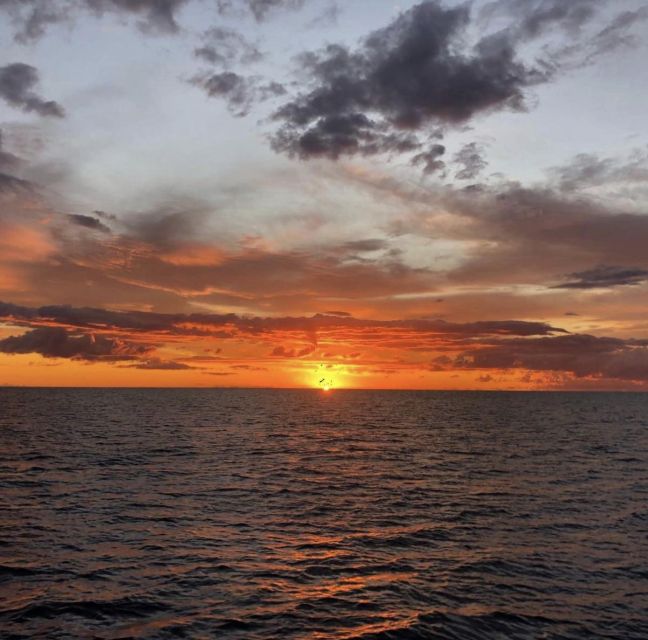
(251, 514)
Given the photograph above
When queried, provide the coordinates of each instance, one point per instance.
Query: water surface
(298, 514)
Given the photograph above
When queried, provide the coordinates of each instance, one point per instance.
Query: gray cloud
(535, 17)
(157, 15)
(16, 83)
(528, 234)
(162, 365)
(32, 17)
(470, 159)
(405, 77)
(260, 9)
(430, 159)
(579, 354)
(7, 160)
(144, 322)
(605, 276)
(617, 34)
(88, 222)
(590, 170)
(328, 18)
(10, 184)
(223, 46)
(370, 244)
(239, 92)
(58, 342)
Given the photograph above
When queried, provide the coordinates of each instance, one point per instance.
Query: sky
(310, 193)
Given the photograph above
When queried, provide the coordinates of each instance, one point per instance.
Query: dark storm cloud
(223, 46)
(17, 81)
(239, 92)
(408, 76)
(470, 160)
(57, 342)
(604, 276)
(88, 222)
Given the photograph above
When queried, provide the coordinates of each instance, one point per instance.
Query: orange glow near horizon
(286, 354)
(33, 370)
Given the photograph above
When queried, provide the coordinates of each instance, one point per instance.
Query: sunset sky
(369, 193)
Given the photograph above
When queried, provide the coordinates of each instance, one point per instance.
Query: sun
(325, 384)
(324, 380)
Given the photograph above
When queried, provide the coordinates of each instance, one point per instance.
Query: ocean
(365, 515)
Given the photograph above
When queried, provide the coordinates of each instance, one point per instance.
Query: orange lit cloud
(301, 351)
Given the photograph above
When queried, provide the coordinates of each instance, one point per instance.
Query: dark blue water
(298, 514)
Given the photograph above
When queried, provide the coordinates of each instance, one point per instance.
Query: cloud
(222, 46)
(368, 245)
(97, 335)
(470, 158)
(16, 83)
(283, 352)
(617, 34)
(404, 78)
(588, 170)
(32, 17)
(430, 159)
(161, 365)
(327, 18)
(157, 15)
(260, 9)
(604, 276)
(11, 185)
(580, 355)
(58, 342)
(8, 161)
(516, 235)
(533, 18)
(146, 322)
(114, 336)
(239, 92)
(88, 222)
